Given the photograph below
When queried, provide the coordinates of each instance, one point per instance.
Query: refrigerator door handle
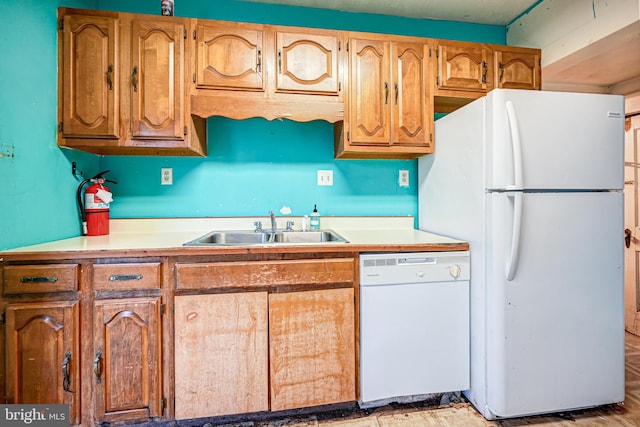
(514, 255)
(516, 146)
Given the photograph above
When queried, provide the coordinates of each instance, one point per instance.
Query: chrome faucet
(274, 225)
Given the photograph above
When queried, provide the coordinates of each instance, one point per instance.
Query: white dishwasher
(414, 325)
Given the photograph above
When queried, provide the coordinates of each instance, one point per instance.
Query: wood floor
(464, 415)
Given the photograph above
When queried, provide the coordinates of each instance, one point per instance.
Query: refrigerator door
(554, 140)
(555, 331)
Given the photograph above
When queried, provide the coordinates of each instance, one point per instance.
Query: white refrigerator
(533, 181)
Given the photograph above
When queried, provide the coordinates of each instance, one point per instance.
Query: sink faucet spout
(274, 225)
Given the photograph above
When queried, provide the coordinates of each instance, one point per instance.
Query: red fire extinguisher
(95, 209)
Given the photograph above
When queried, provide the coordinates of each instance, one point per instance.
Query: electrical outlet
(403, 178)
(166, 176)
(325, 177)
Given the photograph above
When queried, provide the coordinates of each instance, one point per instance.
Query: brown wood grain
(127, 357)
(263, 273)
(39, 337)
(24, 279)
(133, 276)
(221, 354)
(311, 348)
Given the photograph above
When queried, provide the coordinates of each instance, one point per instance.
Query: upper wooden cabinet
(229, 57)
(463, 66)
(389, 113)
(465, 71)
(90, 77)
(122, 85)
(516, 68)
(253, 70)
(307, 63)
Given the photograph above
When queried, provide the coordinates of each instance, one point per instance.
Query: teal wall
(253, 165)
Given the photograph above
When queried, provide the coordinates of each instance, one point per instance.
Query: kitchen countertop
(144, 237)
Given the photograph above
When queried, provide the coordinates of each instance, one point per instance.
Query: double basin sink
(244, 237)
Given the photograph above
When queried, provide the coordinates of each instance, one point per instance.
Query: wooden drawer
(248, 274)
(32, 279)
(129, 276)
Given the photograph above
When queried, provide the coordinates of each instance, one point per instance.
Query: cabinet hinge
(60, 126)
(438, 80)
(339, 86)
(163, 405)
(429, 52)
(339, 45)
(61, 24)
(348, 137)
(347, 46)
(194, 34)
(184, 33)
(437, 53)
(194, 77)
(3, 317)
(185, 130)
(163, 309)
(430, 137)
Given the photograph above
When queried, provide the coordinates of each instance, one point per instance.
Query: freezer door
(555, 331)
(554, 140)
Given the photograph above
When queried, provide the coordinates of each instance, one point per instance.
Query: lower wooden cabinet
(236, 352)
(311, 348)
(126, 365)
(42, 354)
(221, 354)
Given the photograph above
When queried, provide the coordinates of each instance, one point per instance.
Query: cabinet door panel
(311, 348)
(463, 66)
(517, 70)
(127, 359)
(307, 63)
(157, 80)
(41, 338)
(410, 89)
(89, 77)
(370, 93)
(221, 354)
(230, 58)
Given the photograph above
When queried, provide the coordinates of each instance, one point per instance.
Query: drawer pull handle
(66, 381)
(123, 277)
(39, 279)
(97, 367)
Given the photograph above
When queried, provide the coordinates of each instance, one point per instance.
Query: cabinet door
(43, 355)
(157, 80)
(126, 365)
(89, 77)
(517, 68)
(311, 348)
(463, 66)
(370, 92)
(410, 107)
(221, 354)
(307, 63)
(229, 57)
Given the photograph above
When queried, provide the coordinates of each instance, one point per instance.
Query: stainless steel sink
(324, 236)
(245, 237)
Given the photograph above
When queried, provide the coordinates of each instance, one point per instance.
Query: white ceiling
(612, 64)
(497, 12)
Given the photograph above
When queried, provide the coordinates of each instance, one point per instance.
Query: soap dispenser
(315, 219)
